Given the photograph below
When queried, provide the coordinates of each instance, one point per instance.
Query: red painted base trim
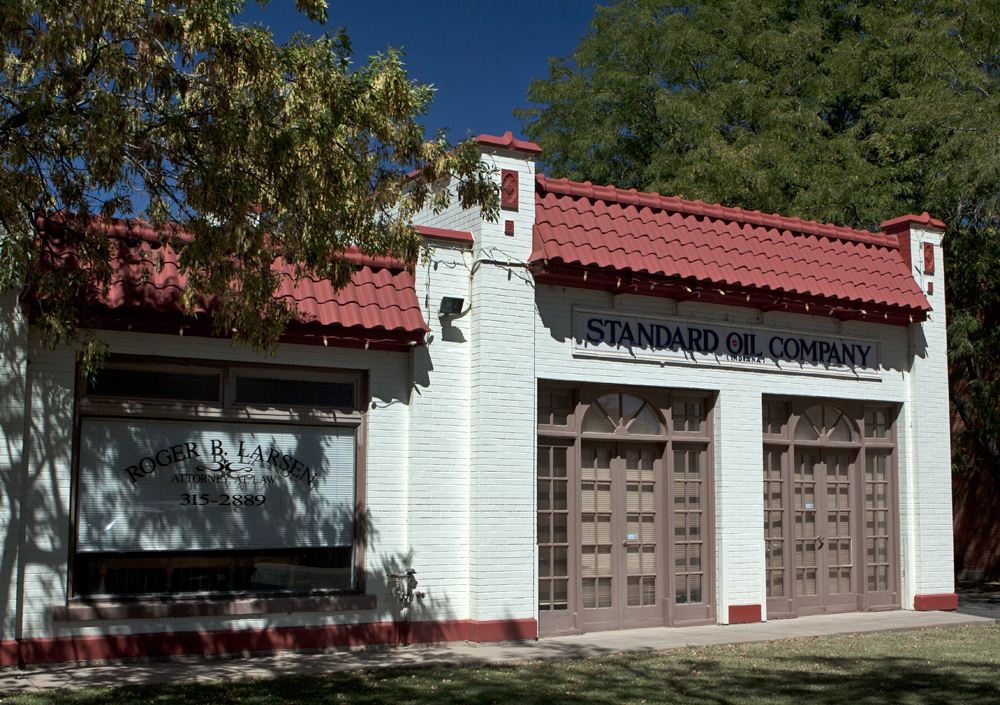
(744, 614)
(93, 648)
(947, 601)
(8, 653)
(502, 630)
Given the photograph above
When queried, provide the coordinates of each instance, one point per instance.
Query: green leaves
(255, 150)
(748, 102)
(849, 113)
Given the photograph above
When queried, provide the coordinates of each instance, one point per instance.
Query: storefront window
(179, 502)
(292, 392)
(155, 384)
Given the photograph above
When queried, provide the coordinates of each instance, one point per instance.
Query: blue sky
(480, 55)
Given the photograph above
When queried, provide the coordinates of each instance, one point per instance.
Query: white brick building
(575, 445)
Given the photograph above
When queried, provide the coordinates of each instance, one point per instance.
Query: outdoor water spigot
(403, 587)
(411, 583)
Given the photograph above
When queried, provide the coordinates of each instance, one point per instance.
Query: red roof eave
(459, 237)
(620, 282)
(715, 211)
(509, 142)
(903, 222)
(378, 307)
(603, 237)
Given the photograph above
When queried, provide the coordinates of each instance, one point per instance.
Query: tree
(848, 112)
(236, 149)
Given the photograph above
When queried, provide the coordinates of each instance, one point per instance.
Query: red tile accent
(701, 248)
(928, 258)
(92, 648)
(900, 227)
(903, 236)
(508, 141)
(459, 236)
(945, 601)
(508, 189)
(508, 227)
(744, 614)
(378, 304)
(903, 222)
(930, 288)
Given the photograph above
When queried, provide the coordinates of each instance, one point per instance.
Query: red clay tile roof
(896, 224)
(508, 141)
(379, 305)
(692, 249)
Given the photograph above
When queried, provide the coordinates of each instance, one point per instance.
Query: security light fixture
(451, 306)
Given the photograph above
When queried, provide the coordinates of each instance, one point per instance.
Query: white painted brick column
(46, 492)
(502, 563)
(739, 502)
(13, 385)
(438, 496)
(924, 431)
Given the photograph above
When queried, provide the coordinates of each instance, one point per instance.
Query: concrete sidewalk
(587, 645)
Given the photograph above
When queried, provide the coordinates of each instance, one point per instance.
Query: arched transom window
(622, 414)
(823, 422)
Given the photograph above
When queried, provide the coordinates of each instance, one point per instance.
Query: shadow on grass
(796, 671)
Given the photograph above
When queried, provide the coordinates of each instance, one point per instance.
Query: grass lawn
(927, 667)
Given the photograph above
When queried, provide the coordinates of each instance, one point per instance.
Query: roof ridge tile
(611, 194)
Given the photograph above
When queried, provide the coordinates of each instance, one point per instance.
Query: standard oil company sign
(609, 333)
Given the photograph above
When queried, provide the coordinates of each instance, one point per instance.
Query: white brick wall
(502, 492)
(422, 484)
(925, 488)
(13, 362)
(737, 440)
(438, 508)
(46, 495)
(451, 435)
(473, 413)
(52, 378)
(739, 503)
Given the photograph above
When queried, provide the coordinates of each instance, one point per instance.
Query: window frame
(569, 429)
(129, 405)
(304, 374)
(154, 605)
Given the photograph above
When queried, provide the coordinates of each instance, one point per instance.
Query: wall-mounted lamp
(451, 306)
